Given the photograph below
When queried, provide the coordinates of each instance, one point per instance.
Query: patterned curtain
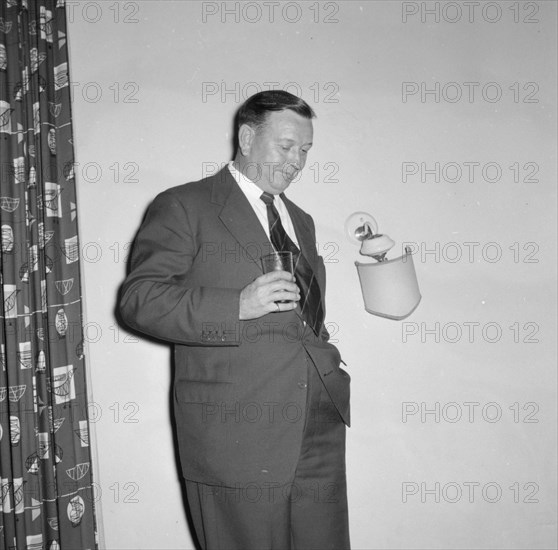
(47, 498)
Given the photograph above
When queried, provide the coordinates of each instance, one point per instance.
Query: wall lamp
(389, 287)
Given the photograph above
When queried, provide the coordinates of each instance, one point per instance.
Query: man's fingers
(283, 285)
(268, 287)
(284, 291)
(284, 296)
(284, 303)
(259, 297)
(275, 276)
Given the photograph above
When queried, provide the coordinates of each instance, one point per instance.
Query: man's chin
(283, 181)
(280, 186)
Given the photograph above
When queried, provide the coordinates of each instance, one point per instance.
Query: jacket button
(302, 385)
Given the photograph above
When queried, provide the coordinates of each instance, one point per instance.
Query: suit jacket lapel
(241, 221)
(239, 217)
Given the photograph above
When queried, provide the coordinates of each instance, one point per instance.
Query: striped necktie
(310, 295)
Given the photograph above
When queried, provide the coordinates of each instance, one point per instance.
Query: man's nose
(296, 158)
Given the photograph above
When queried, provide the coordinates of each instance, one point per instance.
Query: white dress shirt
(253, 194)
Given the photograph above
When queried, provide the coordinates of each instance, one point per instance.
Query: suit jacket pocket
(203, 364)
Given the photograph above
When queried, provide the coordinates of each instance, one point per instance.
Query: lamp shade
(390, 288)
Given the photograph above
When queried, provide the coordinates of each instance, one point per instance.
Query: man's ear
(246, 136)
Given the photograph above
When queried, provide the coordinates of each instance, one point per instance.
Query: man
(260, 400)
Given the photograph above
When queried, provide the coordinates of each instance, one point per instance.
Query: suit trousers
(308, 513)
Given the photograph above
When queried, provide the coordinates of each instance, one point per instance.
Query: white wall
(160, 127)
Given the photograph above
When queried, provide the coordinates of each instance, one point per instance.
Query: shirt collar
(250, 189)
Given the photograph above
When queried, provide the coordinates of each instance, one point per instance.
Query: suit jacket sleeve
(157, 298)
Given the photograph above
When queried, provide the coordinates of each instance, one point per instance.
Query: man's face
(277, 151)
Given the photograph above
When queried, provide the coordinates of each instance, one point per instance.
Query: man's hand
(260, 296)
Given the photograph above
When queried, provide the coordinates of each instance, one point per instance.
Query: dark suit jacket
(239, 387)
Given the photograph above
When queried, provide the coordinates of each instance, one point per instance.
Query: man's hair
(255, 109)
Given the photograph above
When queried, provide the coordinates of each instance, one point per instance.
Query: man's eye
(285, 148)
